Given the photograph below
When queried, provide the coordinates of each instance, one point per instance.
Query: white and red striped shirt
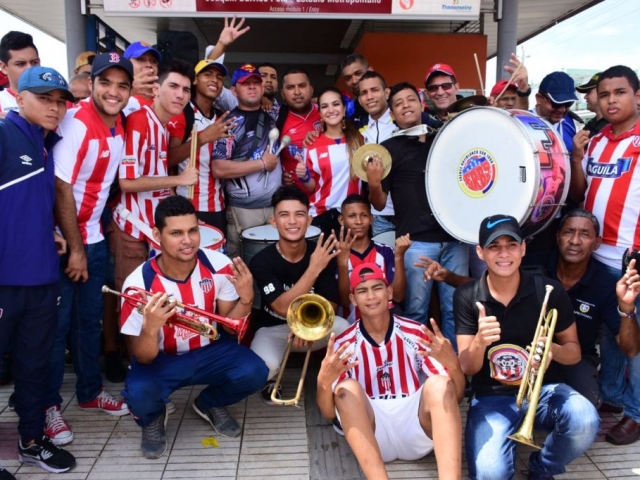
(8, 101)
(394, 369)
(328, 163)
(297, 127)
(145, 155)
(202, 289)
(208, 194)
(613, 191)
(136, 102)
(87, 158)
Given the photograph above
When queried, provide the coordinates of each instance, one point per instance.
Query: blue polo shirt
(593, 304)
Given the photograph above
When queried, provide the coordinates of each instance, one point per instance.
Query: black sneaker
(154, 437)
(220, 420)
(44, 454)
(337, 427)
(266, 393)
(6, 474)
(11, 404)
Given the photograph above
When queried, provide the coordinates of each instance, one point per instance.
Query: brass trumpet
(139, 297)
(531, 383)
(310, 317)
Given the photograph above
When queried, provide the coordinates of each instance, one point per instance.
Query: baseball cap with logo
(592, 83)
(204, 64)
(244, 73)
(364, 272)
(498, 87)
(104, 61)
(85, 58)
(439, 68)
(44, 80)
(137, 49)
(559, 87)
(497, 225)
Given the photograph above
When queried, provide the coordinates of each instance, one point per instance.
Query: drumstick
(513, 75)
(479, 74)
(274, 133)
(192, 156)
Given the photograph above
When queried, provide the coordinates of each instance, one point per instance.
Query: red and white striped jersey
(328, 163)
(8, 101)
(208, 194)
(394, 369)
(296, 127)
(87, 158)
(136, 102)
(613, 191)
(202, 289)
(145, 155)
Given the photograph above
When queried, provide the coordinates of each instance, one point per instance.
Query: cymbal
(366, 152)
(468, 102)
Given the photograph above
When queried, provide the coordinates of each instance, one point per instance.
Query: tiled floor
(278, 443)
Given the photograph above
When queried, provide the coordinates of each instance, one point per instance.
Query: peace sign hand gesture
(437, 346)
(335, 363)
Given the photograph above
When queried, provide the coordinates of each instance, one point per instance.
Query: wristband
(526, 93)
(264, 165)
(627, 315)
(307, 177)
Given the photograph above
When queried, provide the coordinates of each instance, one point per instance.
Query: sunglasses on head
(558, 106)
(445, 86)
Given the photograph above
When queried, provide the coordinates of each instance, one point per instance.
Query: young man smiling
(17, 53)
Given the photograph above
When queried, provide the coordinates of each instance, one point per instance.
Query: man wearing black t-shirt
(287, 269)
(496, 318)
(406, 185)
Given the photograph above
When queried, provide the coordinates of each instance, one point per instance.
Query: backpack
(182, 45)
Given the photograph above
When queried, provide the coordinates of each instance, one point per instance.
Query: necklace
(282, 254)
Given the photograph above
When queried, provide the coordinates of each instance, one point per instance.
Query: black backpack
(182, 45)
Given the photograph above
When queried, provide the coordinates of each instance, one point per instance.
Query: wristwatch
(526, 93)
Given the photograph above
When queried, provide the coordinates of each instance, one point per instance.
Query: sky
(600, 37)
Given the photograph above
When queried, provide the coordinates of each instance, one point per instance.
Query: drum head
(261, 233)
(312, 232)
(481, 163)
(210, 237)
(386, 238)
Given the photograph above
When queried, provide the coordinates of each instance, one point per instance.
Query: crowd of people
(108, 179)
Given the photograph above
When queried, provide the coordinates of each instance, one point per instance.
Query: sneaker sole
(39, 463)
(206, 417)
(58, 442)
(115, 413)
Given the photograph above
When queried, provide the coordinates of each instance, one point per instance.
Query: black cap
(105, 61)
(497, 225)
(592, 83)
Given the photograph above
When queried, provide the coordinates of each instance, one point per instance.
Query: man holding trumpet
(496, 318)
(168, 356)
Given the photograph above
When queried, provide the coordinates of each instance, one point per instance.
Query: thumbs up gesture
(488, 327)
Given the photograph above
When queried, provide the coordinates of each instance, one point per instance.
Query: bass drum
(255, 239)
(488, 161)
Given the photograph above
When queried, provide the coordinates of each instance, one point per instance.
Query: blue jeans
(615, 388)
(231, 371)
(451, 255)
(572, 421)
(80, 313)
(380, 225)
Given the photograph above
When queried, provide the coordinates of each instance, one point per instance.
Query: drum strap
(413, 131)
(127, 216)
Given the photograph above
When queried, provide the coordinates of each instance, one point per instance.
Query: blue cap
(105, 61)
(44, 80)
(559, 87)
(243, 73)
(137, 49)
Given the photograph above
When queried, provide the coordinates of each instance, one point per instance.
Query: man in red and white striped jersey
(143, 174)
(86, 163)
(208, 194)
(17, 53)
(372, 378)
(608, 179)
(167, 356)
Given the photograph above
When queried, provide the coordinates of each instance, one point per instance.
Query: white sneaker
(170, 407)
(56, 427)
(107, 403)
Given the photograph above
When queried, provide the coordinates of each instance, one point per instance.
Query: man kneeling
(167, 356)
(372, 378)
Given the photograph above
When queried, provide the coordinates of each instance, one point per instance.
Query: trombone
(310, 317)
(531, 383)
(186, 319)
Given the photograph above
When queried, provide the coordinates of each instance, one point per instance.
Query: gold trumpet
(139, 297)
(310, 317)
(531, 383)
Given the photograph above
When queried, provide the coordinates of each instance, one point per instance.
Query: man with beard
(352, 68)
(269, 76)
(87, 160)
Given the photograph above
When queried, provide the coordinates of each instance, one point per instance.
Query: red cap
(498, 87)
(439, 68)
(371, 272)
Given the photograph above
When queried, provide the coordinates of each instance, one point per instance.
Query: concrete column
(507, 36)
(74, 33)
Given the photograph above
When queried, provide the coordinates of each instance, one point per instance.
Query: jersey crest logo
(206, 284)
(26, 160)
(507, 363)
(608, 170)
(384, 381)
(636, 141)
(477, 172)
(584, 308)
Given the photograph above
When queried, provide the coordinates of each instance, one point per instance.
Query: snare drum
(386, 238)
(255, 239)
(488, 161)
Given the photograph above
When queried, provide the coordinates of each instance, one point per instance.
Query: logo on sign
(477, 173)
(406, 4)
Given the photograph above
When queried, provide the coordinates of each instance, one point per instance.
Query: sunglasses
(445, 86)
(558, 106)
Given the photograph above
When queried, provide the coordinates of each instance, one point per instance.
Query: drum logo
(507, 363)
(477, 173)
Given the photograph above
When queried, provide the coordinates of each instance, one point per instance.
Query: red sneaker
(107, 403)
(56, 427)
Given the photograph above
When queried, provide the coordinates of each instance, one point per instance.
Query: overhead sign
(369, 9)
